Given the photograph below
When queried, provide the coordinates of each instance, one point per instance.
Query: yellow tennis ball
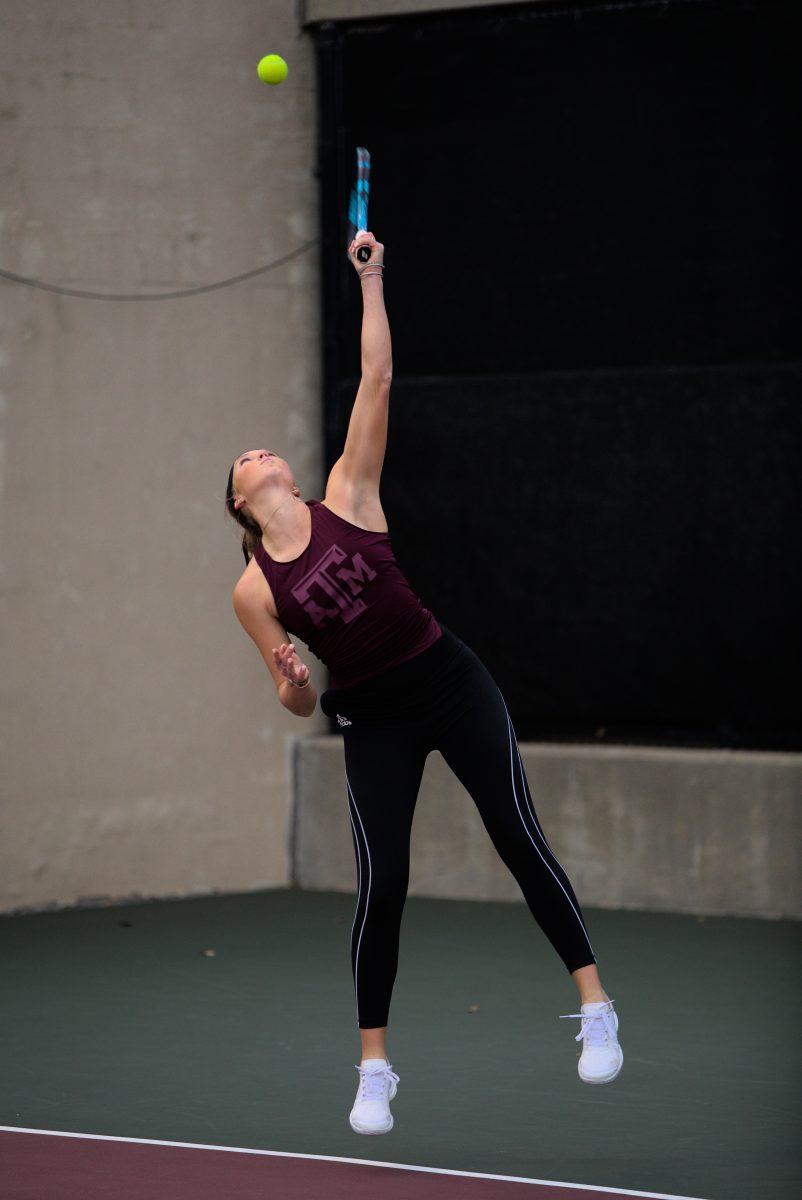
(272, 69)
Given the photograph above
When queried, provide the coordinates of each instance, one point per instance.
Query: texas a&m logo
(330, 590)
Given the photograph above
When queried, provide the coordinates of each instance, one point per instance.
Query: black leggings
(442, 699)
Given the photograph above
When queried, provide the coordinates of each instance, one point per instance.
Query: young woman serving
(402, 685)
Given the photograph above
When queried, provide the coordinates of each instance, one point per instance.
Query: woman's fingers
(288, 662)
(364, 238)
(298, 670)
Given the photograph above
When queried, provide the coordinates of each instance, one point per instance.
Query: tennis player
(401, 685)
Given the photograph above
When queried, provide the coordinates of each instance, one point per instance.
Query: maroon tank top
(348, 599)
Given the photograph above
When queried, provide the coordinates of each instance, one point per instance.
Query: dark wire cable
(194, 291)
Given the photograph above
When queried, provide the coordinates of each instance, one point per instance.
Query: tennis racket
(358, 203)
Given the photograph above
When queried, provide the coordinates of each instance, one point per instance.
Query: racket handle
(363, 253)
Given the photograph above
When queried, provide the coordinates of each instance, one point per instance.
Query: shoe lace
(597, 1027)
(372, 1080)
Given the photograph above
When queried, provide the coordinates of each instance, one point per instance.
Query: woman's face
(257, 470)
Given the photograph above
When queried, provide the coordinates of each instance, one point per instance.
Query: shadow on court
(117, 1021)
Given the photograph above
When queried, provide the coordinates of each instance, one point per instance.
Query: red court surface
(42, 1165)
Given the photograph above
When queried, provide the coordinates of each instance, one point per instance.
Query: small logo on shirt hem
(343, 720)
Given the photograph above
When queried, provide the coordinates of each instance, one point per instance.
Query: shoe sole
(358, 1129)
(603, 1078)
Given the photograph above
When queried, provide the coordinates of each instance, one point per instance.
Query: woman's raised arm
(377, 351)
(366, 440)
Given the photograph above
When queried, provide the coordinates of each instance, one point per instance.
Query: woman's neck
(285, 526)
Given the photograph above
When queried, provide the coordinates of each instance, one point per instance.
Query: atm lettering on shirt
(330, 590)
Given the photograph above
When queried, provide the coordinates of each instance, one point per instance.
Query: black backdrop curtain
(592, 280)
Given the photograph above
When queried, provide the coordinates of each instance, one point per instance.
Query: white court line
(362, 1162)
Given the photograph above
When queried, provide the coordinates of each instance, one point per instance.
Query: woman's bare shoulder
(253, 588)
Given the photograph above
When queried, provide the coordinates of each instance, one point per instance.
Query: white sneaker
(602, 1057)
(377, 1087)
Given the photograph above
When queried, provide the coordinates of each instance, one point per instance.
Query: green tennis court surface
(117, 1023)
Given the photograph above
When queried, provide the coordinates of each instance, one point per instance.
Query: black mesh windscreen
(593, 266)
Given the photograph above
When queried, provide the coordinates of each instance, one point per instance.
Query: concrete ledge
(314, 12)
(699, 831)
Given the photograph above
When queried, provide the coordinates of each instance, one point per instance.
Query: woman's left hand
(365, 238)
(290, 665)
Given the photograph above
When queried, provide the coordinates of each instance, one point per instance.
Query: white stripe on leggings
(530, 808)
(529, 835)
(367, 900)
(358, 872)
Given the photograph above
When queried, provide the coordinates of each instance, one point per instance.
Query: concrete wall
(144, 750)
(698, 831)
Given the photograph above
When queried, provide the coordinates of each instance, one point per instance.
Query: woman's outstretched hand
(364, 238)
(288, 662)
